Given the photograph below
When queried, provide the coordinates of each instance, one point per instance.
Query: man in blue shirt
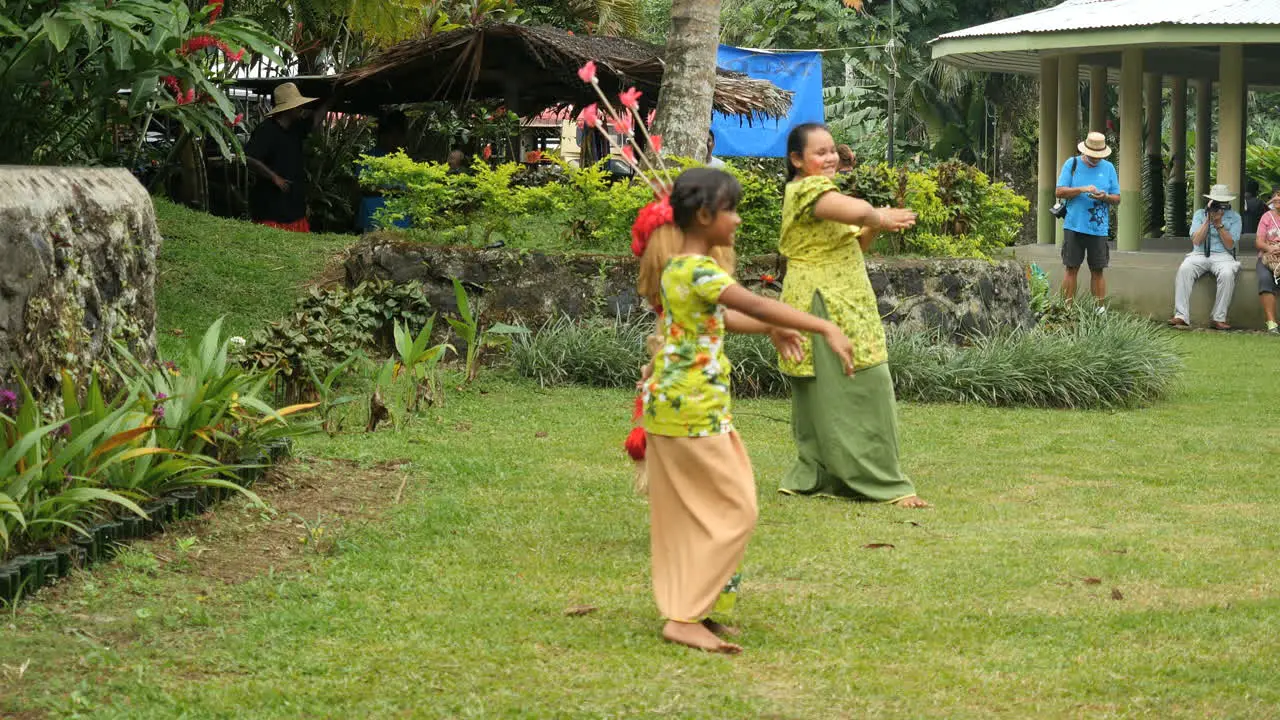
(1215, 234)
(1088, 184)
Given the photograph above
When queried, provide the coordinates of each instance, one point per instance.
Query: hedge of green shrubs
(557, 206)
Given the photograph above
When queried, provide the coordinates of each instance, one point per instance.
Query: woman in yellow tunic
(845, 427)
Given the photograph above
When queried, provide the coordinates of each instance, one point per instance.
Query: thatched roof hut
(530, 68)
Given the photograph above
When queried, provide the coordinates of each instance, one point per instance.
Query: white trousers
(1224, 268)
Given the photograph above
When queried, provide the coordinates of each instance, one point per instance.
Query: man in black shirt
(276, 153)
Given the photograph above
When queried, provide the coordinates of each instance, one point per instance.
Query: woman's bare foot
(698, 637)
(913, 503)
(721, 630)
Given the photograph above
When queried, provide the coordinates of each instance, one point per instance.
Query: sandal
(1215, 325)
(1179, 324)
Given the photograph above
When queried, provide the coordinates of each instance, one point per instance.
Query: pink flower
(630, 98)
(239, 118)
(186, 98)
(588, 72)
(623, 125)
(217, 9)
(171, 82)
(197, 43)
(648, 121)
(488, 152)
(590, 116)
(655, 142)
(236, 56)
(629, 154)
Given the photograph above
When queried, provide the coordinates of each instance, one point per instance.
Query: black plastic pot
(86, 546)
(9, 578)
(48, 567)
(67, 556)
(29, 577)
(186, 502)
(133, 527)
(155, 523)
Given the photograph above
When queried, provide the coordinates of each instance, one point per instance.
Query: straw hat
(1095, 146)
(1221, 193)
(287, 98)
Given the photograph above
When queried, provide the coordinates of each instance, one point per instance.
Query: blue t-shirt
(1084, 214)
(1231, 222)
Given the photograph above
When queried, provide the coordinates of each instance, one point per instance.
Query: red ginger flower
(630, 98)
(655, 142)
(590, 116)
(648, 121)
(623, 125)
(651, 217)
(488, 152)
(588, 72)
(628, 154)
(217, 9)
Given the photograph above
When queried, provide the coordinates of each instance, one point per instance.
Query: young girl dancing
(846, 428)
(702, 495)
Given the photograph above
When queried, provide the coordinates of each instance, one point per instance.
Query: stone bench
(1142, 282)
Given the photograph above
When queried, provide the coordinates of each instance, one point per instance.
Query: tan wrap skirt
(702, 511)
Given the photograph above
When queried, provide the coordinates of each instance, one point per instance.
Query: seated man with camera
(1087, 189)
(1215, 234)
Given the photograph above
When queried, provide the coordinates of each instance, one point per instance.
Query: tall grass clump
(1076, 359)
(1085, 360)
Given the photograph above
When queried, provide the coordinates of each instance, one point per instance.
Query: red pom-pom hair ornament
(635, 444)
(651, 217)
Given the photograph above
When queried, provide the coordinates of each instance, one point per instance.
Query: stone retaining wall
(78, 271)
(956, 297)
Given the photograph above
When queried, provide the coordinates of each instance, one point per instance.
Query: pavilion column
(1068, 114)
(1204, 138)
(1098, 98)
(1153, 90)
(1231, 117)
(1047, 166)
(1178, 150)
(1129, 233)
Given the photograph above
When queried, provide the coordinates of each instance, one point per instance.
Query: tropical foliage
(180, 424)
(962, 212)
(89, 81)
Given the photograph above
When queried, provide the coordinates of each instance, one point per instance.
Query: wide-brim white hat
(287, 97)
(1221, 193)
(1095, 146)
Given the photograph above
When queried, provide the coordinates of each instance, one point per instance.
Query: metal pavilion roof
(1179, 37)
(1105, 14)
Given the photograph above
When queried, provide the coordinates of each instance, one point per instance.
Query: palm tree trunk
(688, 84)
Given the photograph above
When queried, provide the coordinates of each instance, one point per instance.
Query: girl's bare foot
(721, 630)
(698, 637)
(913, 503)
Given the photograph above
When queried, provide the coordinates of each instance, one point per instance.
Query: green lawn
(1076, 565)
(213, 266)
(453, 605)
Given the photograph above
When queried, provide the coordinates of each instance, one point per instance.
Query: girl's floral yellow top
(823, 256)
(688, 393)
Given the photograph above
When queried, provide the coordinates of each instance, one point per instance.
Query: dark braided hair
(703, 189)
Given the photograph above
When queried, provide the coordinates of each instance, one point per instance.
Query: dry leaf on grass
(542, 434)
(1116, 594)
(580, 610)
(1092, 581)
(879, 546)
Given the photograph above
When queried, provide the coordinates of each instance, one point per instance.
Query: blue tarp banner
(801, 73)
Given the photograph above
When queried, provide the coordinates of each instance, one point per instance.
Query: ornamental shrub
(961, 212)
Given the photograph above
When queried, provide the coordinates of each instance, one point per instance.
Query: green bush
(962, 213)
(330, 325)
(1085, 361)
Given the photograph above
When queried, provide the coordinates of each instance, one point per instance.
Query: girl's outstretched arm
(787, 341)
(736, 297)
(852, 211)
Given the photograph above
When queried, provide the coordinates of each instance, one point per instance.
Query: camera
(1219, 206)
(1059, 210)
